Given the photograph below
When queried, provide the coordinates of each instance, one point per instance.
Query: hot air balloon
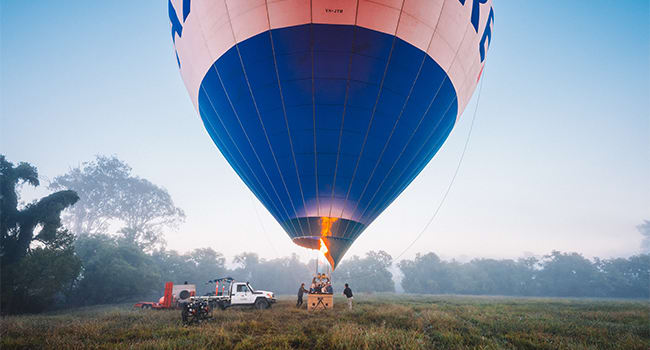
(328, 109)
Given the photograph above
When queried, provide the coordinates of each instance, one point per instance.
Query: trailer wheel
(146, 306)
(261, 304)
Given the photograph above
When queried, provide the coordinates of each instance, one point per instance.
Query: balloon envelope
(328, 109)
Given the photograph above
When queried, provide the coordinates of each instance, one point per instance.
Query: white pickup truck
(238, 294)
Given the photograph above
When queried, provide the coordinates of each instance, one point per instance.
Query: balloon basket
(320, 302)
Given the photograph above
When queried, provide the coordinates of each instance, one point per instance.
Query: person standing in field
(301, 291)
(348, 294)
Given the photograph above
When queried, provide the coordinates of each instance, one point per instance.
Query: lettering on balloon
(337, 11)
(177, 27)
(487, 34)
(474, 18)
(475, 11)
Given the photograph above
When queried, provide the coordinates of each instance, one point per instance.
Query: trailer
(175, 296)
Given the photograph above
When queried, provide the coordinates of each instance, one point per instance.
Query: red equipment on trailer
(174, 295)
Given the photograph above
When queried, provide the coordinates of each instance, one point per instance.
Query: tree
(114, 270)
(207, 264)
(369, 274)
(644, 229)
(17, 226)
(557, 274)
(197, 266)
(567, 275)
(426, 274)
(45, 277)
(36, 254)
(626, 278)
(494, 277)
(110, 194)
(281, 275)
(248, 264)
(98, 184)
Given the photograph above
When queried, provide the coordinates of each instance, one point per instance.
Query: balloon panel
(326, 121)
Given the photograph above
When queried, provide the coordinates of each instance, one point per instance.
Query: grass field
(377, 322)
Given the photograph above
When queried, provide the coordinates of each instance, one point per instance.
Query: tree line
(557, 274)
(98, 238)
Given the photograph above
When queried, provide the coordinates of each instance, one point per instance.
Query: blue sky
(558, 159)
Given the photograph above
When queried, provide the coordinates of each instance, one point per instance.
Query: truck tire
(261, 304)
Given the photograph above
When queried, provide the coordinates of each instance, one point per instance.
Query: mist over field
(111, 248)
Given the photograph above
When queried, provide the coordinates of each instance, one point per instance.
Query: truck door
(241, 294)
(250, 296)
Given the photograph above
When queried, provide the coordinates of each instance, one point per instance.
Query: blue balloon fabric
(327, 123)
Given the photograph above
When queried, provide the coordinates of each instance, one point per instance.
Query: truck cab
(240, 294)
(243, 294)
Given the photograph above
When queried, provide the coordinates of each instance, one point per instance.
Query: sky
(558, 159)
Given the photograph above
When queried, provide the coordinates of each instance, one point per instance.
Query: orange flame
(326, 225)
(325, 231)
(323, 248)
(325, 251)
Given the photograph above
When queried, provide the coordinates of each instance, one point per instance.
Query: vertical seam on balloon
(345, 103)
(372, 174)
(414, 170)
(356, 167)
(424, 58)
(270, 201)
(313, 103)
(453, 178)
(433, 132)
(259, 116)
(244, 176)
(424, 114)
(434, 96)
(286, 120)
(407, 167)
(267, 139)
(232, 106)
(426, 141)
(268, 196)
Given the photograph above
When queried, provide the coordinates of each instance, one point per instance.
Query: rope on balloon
(453, 179)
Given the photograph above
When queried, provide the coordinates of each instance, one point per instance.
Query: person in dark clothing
(348, 294)
(301, 291)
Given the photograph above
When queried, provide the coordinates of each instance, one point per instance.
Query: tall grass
(377, 322)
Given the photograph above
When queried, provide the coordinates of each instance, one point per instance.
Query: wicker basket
(320, 301)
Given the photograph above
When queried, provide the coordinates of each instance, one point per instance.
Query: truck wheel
(261, 304)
